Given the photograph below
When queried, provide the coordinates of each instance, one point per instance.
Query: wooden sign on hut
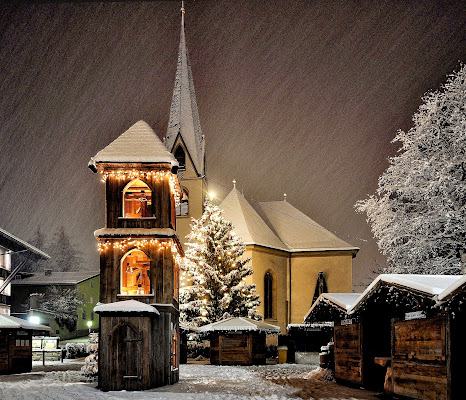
(238, 341)
(139, 253)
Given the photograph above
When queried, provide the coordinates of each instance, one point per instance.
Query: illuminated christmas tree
(217, 270)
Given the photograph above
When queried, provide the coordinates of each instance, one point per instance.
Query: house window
(180, 156)
(268, 296)
(92, 316)
(92, 283)
(135, 273)
(137, 200)
(182, 210)
(83, 297)
(83, 316)
(91, 300)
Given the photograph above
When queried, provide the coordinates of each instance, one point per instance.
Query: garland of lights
(135, 173)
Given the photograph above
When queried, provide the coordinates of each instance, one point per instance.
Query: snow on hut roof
(9, 322)
(55, 278)
(126, 306)
(429, 285)
(139, 144)
(453, 289)
(239, 324)
(247, 223)
(109, 232)
(297, 230)
(14, 243)
(341, 301)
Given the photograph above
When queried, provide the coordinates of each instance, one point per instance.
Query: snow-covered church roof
(428, 285)
(278, 225)
(139, 144)
(239, 324)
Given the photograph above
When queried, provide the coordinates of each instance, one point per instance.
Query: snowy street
(197, 382)
(206, 382)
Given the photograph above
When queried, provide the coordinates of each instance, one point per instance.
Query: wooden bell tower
(139, 257)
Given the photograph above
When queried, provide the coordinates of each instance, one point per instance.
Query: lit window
(268, 296)
(183, 208)
(180, 157)
(137, 200)
(91, 300)
(135, 273)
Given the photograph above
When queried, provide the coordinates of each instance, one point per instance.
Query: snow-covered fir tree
(418, 214)
(217, 270)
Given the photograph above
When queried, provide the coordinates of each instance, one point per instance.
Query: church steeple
(184, 116)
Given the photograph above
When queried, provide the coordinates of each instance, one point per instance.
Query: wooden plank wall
(348, 352)
(4, 353)
(242, 348)
(419, 361)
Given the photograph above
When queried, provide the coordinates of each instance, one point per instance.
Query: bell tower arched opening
(135, 273)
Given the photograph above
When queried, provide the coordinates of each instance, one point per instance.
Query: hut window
(183, 209)
(135, 273)
(176, 281)
(175, 345)
(180, 156)
(137, 200)
(268, 296)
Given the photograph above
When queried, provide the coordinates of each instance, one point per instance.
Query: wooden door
(127, 357)
(4, 353)
(348, 352)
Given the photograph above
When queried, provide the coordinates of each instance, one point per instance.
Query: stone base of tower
(138, 346)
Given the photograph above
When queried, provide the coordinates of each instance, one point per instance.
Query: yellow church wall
(337, 269)
(264, 260)
(196, 187)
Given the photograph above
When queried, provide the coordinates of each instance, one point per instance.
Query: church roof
(247, 223)
(297, 230)
(278, 225)
(139, 144)
(184, 115)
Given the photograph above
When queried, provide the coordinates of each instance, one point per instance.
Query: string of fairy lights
(138, 174)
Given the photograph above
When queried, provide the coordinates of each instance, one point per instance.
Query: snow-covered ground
(206, 382)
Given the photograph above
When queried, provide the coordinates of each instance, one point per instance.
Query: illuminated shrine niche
(135, 273)
(183, 208)
(137, 200)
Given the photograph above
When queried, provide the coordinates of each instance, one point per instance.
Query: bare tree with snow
(418, 213)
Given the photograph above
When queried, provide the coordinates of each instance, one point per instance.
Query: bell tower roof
(184, 115)
(139, 144)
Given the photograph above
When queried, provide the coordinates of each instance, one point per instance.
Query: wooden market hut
(16, 344)
(401, 337)
(238, 341)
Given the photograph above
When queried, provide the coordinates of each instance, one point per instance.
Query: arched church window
(268, 296)
(135, 273)
(182, 210)
(180, 156)
(137, 200)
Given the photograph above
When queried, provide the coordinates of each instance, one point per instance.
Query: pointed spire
(284, 196)
(234, 183)
(184, 115)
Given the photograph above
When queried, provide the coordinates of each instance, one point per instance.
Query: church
(294, 259)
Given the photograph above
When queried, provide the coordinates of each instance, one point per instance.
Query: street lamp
(34, 320)
(89, 324)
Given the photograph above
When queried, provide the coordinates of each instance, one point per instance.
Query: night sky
(294, 96)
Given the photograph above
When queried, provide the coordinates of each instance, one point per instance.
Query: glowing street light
(34, 320)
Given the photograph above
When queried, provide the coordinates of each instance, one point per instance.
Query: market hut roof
(341, 302)
(139, 144)
(9, 322)
(426, 285)
(453, 289)
(239, 324)
(126, 306)
(55, 278)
